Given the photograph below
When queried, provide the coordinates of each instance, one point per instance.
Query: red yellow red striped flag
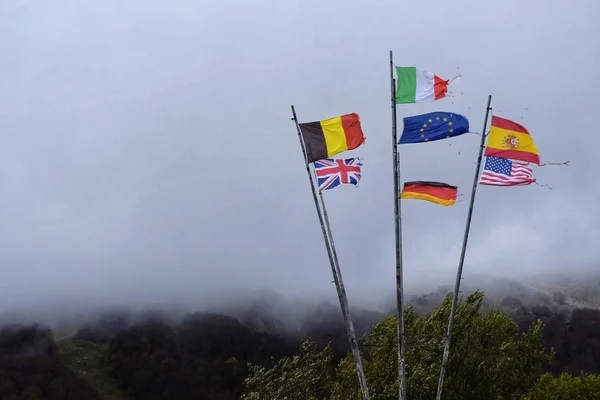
(507, 139)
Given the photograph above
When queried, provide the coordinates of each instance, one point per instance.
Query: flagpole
(344, 303)
(335, 269)
(462, 255)
(398, 235)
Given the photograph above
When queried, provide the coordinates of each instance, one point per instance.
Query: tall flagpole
(346, 309)
(462, 255)
(398, 230)
(335, 268)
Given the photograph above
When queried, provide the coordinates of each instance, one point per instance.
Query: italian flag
(419, 86)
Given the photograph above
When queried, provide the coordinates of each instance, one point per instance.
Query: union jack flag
(334, 172)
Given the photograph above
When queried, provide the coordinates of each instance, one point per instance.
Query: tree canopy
(306, 376)
(489, 358)
(566, 387)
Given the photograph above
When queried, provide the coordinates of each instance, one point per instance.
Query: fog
(147, 156)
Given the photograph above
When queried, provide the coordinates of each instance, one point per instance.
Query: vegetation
(86, 360)
(204, 357)
(533, 353)
(487, 360)
(306, 376)
(566, 387)
(30, 368)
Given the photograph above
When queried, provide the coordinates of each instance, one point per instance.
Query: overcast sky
(147, 151)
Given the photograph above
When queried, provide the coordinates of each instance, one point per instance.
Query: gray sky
(147, 151)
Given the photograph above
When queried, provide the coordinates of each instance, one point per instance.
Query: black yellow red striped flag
(326, 138)
(436, 192)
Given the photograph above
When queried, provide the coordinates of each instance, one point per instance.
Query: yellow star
(447, 136)
(449, 123)
(430, 120)
(438, 118)
(445, 119)
(451, 130)
(426, 139)
(422, 129)
(424, 125)
(422, 135)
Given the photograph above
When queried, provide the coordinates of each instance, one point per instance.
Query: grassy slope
(84, 358)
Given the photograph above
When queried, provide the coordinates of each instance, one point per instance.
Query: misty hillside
(159, 238)
(125, 354)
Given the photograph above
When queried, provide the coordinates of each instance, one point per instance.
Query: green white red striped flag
(416, 85)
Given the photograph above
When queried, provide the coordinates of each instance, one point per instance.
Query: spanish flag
(436, 192)
(324, 139)
(507, 139)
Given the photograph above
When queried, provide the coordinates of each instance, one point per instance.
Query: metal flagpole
(462, 256)
(335, 269)
(398, 230)
(346, 309)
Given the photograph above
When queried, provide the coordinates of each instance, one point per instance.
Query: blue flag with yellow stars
(433, 126)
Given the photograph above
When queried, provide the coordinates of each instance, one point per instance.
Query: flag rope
(555, 163)
(457, 76)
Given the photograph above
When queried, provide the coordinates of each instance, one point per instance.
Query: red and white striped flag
(504, 172)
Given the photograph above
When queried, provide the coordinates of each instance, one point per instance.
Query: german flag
(436, 192)
(324, 139)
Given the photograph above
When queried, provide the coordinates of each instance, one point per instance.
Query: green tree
(306, 376)
(566, 387)
(488, 359)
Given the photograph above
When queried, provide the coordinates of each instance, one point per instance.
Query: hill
(121, 354)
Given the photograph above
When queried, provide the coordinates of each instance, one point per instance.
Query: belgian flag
(436, 192)
(324, 139)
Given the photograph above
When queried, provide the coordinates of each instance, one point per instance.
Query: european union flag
(433, 126)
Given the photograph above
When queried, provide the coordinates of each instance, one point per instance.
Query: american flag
(333, 172)
(504, 172)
